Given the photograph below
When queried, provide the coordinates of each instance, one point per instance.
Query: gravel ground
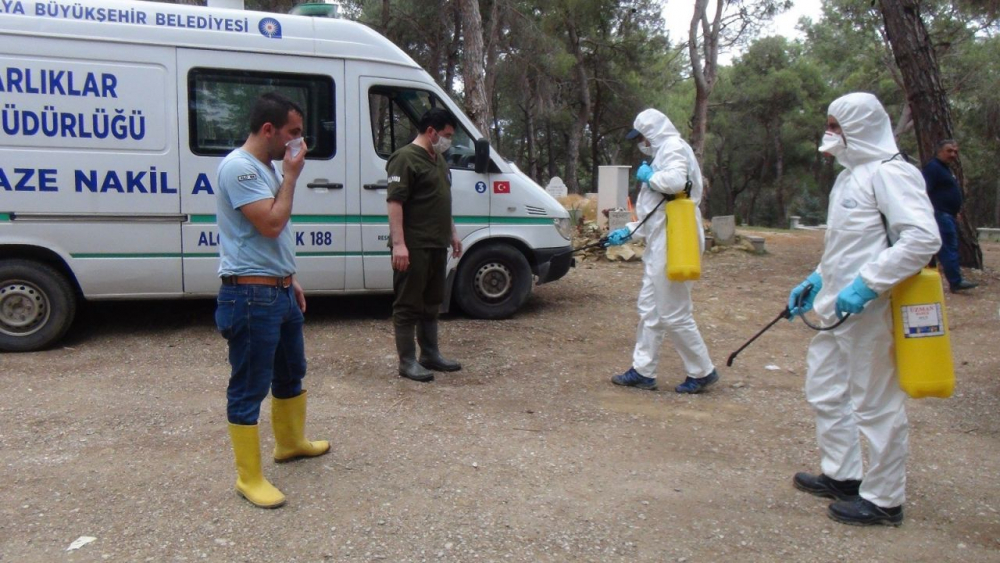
(528, 454)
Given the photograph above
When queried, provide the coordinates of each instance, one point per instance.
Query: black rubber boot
(823, 486)
(430, 356)
(407, 350)
(863, 512)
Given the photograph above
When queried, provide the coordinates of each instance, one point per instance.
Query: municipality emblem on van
(270, 28)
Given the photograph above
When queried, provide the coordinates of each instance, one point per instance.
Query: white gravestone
(724, 229)
(612, 190)
(618, 218)
(557, 188)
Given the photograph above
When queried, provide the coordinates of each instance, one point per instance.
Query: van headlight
(564, 227)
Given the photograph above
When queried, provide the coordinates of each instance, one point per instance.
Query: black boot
(430, 356)
(823, 486)
(407, 350)
(863, 512)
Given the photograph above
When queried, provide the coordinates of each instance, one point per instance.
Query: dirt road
(528, 454)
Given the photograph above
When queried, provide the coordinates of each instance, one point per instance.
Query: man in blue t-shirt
(260, 303)
(946, 197)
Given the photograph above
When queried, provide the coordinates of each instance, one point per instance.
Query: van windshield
(394, 115)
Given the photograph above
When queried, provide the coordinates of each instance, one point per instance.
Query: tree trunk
(931, 113)
(582, 112)
(595, 138)
(779, 173)
(704, 68)
(905, 123)
(477, 104)
(996, 206)
(532, 156)
(722, 172)
(492, 46)
(551, 166)
(452, 61)
(386, 18)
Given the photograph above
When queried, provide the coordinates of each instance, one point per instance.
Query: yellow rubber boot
(288, 418)
(250, 482)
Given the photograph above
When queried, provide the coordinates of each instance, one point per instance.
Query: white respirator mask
(646, 149)
(442, 145)
(832, 144)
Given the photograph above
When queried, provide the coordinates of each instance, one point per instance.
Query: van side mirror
(482, 156)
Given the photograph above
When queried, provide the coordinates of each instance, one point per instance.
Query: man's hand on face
(291, 166)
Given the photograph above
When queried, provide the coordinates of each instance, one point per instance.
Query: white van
(115, 116)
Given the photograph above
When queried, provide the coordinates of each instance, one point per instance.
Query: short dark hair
(944, 143)
(438, 118)
(272, 108)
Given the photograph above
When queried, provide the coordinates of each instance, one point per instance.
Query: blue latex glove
(644, 173)
(816, 281)
(619, 236)
(852, 298)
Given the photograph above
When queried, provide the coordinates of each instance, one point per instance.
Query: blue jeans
(266, 349)
(948, 255)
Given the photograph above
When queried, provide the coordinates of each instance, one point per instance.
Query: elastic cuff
(863, 289)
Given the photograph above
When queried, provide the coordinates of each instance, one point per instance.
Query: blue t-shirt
(243, 250)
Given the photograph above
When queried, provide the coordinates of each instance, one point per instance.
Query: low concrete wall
(757, 242)
(988, 234)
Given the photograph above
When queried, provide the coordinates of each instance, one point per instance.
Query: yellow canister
(683, 248)
(923, 346)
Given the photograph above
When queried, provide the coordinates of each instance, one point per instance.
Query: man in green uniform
(420, 231)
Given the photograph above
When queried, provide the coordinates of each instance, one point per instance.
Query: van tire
(37, 305)
(493, 281)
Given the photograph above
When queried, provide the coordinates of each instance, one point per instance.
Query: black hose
(798, 304)
(603, 241)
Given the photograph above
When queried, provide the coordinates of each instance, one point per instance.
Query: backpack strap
(885, 222)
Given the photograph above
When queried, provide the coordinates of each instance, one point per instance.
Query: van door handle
(322, 183)
(380, 185)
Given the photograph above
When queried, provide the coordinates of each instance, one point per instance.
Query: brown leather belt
(272, 281)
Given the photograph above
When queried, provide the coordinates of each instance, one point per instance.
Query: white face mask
(646, 149)
(832, 144)
(442, 145)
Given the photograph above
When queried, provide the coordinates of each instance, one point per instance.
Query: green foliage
(766, 113)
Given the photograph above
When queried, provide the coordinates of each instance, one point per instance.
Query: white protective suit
(665, 306)
(852, 380)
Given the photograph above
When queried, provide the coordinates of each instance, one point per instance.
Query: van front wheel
(37, 305)
(493, 282)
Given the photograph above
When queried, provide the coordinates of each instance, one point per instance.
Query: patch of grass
(762, 229)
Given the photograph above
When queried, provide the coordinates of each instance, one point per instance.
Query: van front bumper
(553, 263)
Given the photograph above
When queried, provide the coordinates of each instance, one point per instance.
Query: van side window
(220, 101)
(394, 114)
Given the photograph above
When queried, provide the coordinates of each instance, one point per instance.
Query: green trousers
(420, 289)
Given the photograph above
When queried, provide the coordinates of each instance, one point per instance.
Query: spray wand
(787, 314)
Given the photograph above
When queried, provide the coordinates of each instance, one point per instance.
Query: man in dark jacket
(946, 197)
(421, 229)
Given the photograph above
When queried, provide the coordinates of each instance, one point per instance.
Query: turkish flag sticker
(501, 187)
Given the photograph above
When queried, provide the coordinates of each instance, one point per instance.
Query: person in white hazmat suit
(852, 381)
(664, 306)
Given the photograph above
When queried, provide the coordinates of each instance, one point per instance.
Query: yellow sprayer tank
(683, 248)
(923, 347)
